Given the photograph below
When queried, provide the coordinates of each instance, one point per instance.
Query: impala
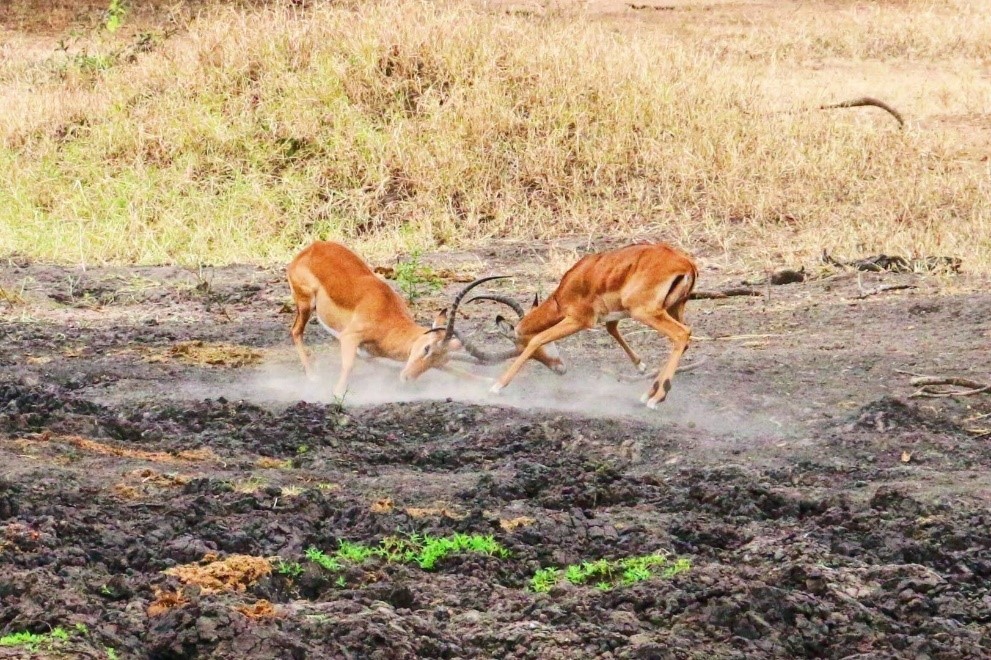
(649, 283)
(366, 315)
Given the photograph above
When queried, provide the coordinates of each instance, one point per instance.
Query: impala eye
(426, 350)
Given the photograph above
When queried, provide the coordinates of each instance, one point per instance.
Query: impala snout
(550, 357)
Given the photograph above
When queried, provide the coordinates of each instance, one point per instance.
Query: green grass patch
(421, 549)
(290, 569)
(37, 642)
(606, 574)
(323, 560)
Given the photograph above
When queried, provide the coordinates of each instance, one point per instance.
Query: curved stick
(867, 101)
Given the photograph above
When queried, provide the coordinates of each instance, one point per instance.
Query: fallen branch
(927, 383)
(864, 293)
(725, 293)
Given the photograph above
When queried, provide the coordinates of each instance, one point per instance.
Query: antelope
(366, 315)
(648, 282)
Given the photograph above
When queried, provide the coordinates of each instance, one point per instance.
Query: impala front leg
(349, 350)
(567, 326)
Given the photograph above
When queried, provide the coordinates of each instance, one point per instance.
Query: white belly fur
(362, 353)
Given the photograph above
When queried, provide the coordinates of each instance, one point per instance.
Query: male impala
(649, 283)
(366, 314)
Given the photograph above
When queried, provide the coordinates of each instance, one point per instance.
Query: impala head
(431, 350)
(547, 355)
(434, 348)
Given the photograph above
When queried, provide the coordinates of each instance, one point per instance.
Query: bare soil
(153, 425)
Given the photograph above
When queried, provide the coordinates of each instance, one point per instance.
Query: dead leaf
(906, 456)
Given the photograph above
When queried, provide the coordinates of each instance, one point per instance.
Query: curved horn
(505, 300)
(449, 330)
(480, 354)
(484, 357)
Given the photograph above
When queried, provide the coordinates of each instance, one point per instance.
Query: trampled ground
(824, 513)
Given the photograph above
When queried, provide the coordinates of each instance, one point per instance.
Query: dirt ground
(824, 511)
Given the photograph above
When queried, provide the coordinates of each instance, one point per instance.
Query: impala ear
(505, 327)
(440, 321)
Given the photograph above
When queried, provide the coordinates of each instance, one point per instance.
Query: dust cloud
(584, 389)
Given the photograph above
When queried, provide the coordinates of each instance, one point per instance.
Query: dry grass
(439, 511)
(510, 524)
(203, 354)
(260, 609)
(394, 125)
(382, 505)
(235, 573)
(103, 449)
(165, 601)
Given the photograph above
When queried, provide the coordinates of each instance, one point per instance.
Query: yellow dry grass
(203, 353)
(400, 124)
(440, 511)
(510, 524)
(382, 505)
(103, 449)
(165, 601)
(234, 573)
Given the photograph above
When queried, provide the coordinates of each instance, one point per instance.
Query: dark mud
(861, 530)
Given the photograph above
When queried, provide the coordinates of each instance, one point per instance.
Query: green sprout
(605, 574)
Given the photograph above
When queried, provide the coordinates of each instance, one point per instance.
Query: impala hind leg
(564, 328)
(680, 336)
(303, 310)
(612, 327)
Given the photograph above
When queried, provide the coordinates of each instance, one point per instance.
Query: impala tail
(681, 288)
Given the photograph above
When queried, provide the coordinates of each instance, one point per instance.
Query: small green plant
(290, 569)
(354, 552)
(606, 574)
(415, 279)
(545, 578)
(25, 639)
(318, 557)
(434, 549)
(115, 16)
(106, 591)
(34, 641)
(302, 449)
(111, 653)
(424, 550)
(341, 582)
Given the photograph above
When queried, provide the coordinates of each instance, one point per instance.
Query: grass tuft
(606, 574)
(424, 550)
